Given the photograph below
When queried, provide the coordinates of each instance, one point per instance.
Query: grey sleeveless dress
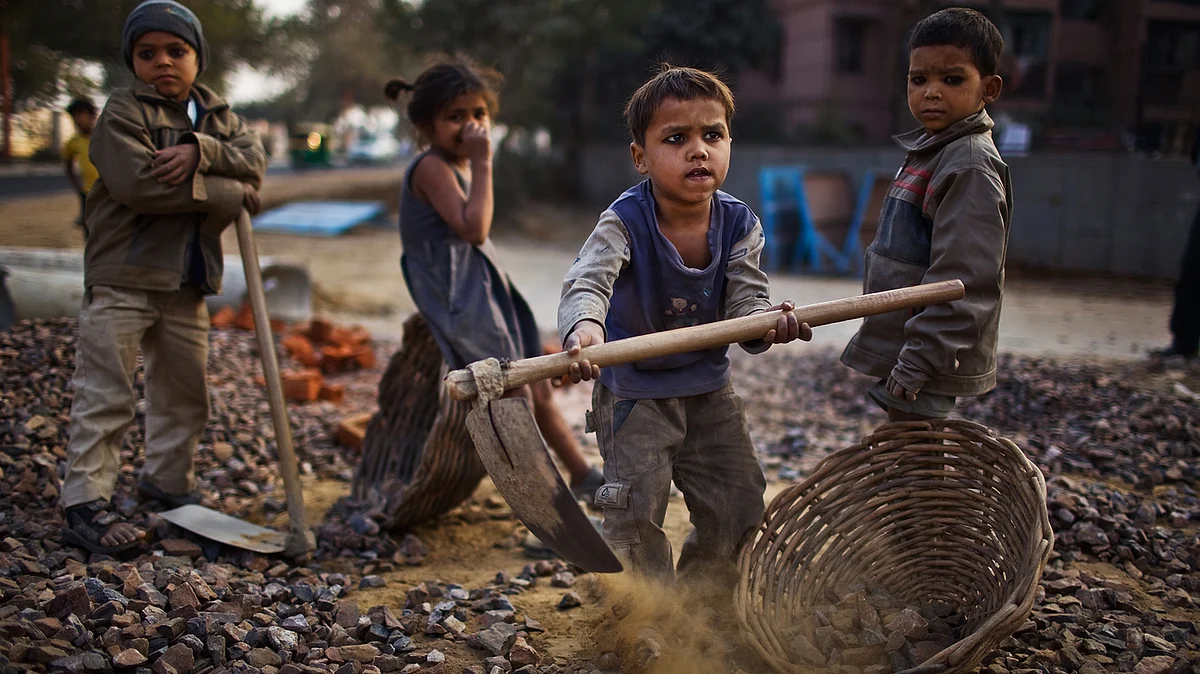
(471, 306)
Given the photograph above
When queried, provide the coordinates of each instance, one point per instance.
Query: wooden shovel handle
(461, 383)
(300, 539)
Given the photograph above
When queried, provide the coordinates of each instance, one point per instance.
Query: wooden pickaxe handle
(461, 383)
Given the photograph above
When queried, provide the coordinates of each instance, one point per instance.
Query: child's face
(167, 63)
(687, 147)
(944, 86)
(84, 121)
(447, 132)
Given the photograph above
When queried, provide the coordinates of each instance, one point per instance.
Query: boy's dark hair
(81, 104)
(685, 84)
(963, 28)
(437, 87)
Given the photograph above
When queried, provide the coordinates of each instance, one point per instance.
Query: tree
(570, 64)
(49, 39)
(721, 35)
(340, 55)
(531, 42)
(551, 53)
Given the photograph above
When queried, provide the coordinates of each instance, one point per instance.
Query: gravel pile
(1121, 451)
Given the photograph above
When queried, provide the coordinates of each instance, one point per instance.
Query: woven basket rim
(855, 461)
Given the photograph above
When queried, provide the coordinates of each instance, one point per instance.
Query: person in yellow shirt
(83, 113)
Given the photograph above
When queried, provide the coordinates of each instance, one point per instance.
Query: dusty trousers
(171, 328)
(702, 444)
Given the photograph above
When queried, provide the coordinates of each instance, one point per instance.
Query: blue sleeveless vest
(656, 291)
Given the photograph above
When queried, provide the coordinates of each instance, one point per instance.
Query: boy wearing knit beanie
(176, 167)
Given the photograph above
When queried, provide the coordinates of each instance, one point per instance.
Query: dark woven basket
(940, 512)
(418, 459)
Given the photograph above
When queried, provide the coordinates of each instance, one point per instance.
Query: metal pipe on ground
(49, 284)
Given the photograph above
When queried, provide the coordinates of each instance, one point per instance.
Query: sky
(246, 84)
(281, 7)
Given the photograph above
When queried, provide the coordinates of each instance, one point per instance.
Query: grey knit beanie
(167, 16)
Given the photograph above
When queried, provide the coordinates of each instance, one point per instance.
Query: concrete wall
(1113, 214)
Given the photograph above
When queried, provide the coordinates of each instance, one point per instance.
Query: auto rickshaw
(310, 145)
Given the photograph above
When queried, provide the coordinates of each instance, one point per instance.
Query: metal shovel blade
(225, 529)
(513, 451)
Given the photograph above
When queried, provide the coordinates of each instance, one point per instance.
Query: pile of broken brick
(319, 347)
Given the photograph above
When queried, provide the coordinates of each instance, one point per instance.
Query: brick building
(1082, 72)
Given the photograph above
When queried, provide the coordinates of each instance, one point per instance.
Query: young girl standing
(449, 262)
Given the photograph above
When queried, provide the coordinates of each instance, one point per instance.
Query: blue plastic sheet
(319, 218)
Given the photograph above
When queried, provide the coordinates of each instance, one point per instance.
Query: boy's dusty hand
(174, 165)
(787, 328)
(250, 198)
(897, 389)
(587, 333)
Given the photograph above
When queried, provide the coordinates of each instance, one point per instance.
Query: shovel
(216, 525)
(512, 448)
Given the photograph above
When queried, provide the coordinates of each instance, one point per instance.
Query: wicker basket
(930, 512)
(418, 460)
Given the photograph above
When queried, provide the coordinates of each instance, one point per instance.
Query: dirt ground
(471, 554)
(357, 279)
(47, 221)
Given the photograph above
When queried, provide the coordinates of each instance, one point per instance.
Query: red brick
(245, 317)
(320, 330)
(301, 386)
(363, 357)
(352, 430)
(300, 348)
(224, 318)
(334, 359)
(352, 336)
(334, 393)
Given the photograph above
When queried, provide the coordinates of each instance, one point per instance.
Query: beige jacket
(946, 217)
(143, 233)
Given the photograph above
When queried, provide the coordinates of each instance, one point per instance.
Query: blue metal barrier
(782, 193)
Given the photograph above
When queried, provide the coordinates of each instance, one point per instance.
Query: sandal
(88, 523)
(150, 491)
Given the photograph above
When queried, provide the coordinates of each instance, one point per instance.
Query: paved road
(24, 186)
(1041, 317)
(14, 186)
(1118, 319)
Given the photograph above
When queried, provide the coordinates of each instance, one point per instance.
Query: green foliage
(340, 54)
(531, 42)
(570, 65)
(721, 35)
(34, 76)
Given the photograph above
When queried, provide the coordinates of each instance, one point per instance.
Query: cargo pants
(702, 443)
(172, 330)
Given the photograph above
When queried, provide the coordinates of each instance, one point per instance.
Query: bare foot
(121, 533)
(98, 528)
